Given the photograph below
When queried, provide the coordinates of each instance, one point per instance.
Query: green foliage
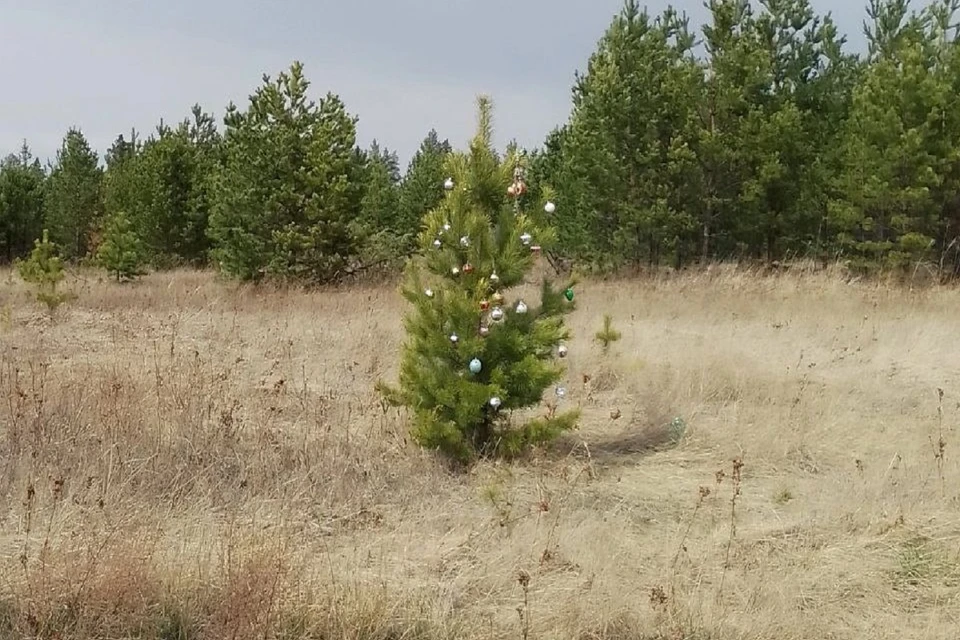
(455, 289)
(286, 205)
(122, 252)
(44, 270)
(769, 142)
(21, 203)
(165, 186)
(607, 335)
(73, 202)
(422, 187)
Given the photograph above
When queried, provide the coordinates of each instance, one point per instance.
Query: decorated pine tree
(479, 358)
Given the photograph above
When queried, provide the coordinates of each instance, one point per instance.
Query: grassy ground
(181, 458)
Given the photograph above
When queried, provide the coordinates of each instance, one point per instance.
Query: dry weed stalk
(735, 493)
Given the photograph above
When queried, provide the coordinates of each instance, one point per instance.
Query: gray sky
(401, 66)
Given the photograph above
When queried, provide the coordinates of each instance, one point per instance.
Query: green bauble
(569, 294)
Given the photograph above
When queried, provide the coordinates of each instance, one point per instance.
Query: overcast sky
(401, 66)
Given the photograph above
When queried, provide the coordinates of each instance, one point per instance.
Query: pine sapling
(44, 270)
(122, 252)
(607, 334)
(472, 357)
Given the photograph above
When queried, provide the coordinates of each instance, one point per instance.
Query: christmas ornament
(428, 293)
(446, 226)
(495, 402)
(518, 188)
(561, 392)
(484, 331)
(464, 241)
(454, 339)
(568, 294)
(475, 366)
(467, 268)
(549, 207)
(455, 271)
(497, 314)
(562, 350)
(521, 307)
(484, 305)
(497, 298)
(525, 238)
(437, 243)
(535, 248)
(494, 278)
(448, 184)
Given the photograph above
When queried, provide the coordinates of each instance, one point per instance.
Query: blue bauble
(475, 366)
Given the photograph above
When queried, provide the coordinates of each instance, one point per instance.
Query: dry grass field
(183, 458)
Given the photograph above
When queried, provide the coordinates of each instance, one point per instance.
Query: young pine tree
(44, 270)
(474, 353)
(122, 252)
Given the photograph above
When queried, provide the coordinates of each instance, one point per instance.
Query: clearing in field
(759, 457)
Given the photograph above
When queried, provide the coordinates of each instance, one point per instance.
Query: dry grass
(181, 458)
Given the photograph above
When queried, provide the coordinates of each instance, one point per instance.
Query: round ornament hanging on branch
(437, 243)
(495, 402)
(464, 241)
(549, 207)
(494, 278)
(484, 331)
(568, 294)
(428, 293)
(454, 339)
(562, 351)
(525, 238)
(475, 366)
(455, 271)
(521, 307)
(448, 184)
(468, 268)
(497, 314)
(484, 305)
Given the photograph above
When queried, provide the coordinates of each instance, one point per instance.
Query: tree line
(760, 138)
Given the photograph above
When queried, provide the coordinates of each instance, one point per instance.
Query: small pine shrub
(44, 270)
(607, 334)
(472, 356)
(122, 252)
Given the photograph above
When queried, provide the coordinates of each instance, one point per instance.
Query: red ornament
(520, 188)
(512, 190)
(467, 268)
(484, 305)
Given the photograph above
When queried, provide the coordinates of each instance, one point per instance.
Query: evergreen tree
(44, 270)
(21, 203)
(899, 192)
(422, 186)
(121, 253)
(286, 201)
(73, 199)
(472, 357)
